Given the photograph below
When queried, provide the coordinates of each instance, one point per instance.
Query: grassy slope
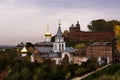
(110, 73)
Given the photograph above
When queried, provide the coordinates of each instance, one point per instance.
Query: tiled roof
(101, 43)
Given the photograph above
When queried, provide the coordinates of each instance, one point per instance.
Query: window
(62, 46)
(59, 46)
(55, 47)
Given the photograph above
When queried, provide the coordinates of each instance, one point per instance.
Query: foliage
(29, 44)
(80, 46)
(43, 71)
(117, 35)
(65, 61)
(66, 33)
(6, 58)
(102, 25)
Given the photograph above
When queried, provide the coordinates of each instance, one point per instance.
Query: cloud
(26, 20)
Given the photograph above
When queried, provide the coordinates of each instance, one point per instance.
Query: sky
(27, 20)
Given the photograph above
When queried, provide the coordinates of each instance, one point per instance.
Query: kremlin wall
(75, 34)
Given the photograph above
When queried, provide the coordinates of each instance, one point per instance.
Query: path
(90, 73)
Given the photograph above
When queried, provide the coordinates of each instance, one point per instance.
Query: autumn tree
(117, 35)
(66, 33)
(80, 46)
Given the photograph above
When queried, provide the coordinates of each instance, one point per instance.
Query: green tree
(30, 47)
(29, 44)
(102, 25)
(15, 76)
(26, 73)
(65, 61)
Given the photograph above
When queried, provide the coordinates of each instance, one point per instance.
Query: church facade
(55, 51)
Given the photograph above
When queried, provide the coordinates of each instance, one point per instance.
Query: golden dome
(47, 34)
(24, 50)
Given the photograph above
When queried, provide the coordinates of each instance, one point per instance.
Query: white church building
(55, 51)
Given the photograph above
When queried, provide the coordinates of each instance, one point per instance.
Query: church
(55, 51)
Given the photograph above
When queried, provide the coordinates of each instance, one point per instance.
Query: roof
(45, 49)
(51, 55)
(59, 32)
(70, 49)
(45, 43)
(100, 43)
(24, 50)
(50, 49)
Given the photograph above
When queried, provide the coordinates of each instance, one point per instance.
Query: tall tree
(102, 25)
(29, 44)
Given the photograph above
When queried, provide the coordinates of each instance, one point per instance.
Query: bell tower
(59, 44)
(78, 26)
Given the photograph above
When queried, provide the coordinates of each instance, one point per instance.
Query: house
(101, 50)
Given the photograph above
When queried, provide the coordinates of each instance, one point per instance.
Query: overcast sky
(27, 20)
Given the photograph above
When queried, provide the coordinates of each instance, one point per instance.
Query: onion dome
(24, 50)
(48, 33)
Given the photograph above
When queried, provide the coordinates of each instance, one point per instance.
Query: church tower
(59, 44)
(78, 26)
(48, 35)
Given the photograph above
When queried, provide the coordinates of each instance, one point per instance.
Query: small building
(79, 60)
(101, 50)
(24, 52)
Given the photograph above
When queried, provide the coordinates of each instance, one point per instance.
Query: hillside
(110, 73)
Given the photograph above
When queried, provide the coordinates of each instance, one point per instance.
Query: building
(55, 51)
(77, 35)
(101, 50)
